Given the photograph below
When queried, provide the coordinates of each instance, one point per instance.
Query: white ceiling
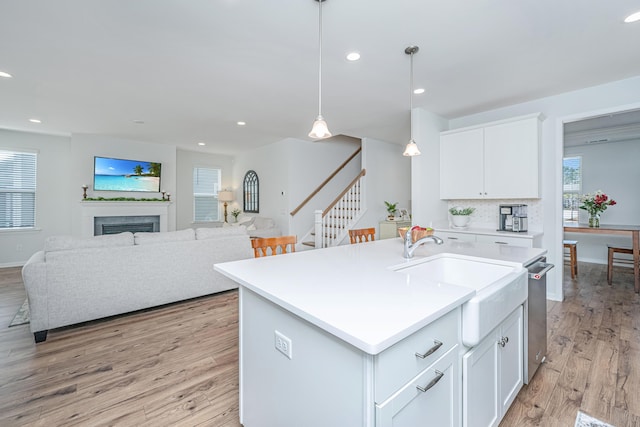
(191, 68)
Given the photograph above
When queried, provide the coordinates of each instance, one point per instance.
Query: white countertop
(351, 291)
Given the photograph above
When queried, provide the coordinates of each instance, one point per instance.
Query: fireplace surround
(131, 212)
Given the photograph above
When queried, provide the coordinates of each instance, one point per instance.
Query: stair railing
(325, 182)
(332, 224)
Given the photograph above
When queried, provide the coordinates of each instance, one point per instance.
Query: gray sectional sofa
(75, 280)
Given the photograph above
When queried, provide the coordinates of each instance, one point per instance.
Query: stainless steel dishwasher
(535, 311)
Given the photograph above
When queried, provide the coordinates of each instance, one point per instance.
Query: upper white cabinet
(498, 160)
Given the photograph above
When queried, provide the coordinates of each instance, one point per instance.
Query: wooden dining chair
(273, 245)
(571, 256)
(360, 235)
(611, 258)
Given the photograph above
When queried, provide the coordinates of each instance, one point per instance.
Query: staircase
(331, 226)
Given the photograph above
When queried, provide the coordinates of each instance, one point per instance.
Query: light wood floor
(177, 365)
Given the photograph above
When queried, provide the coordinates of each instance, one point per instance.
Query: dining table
(614, 229)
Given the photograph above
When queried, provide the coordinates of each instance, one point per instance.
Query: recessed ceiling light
(35, 120)
(353, 56)
(632, 18)
(201, 143)
(5, 74)
(241, 123)
(418, 91)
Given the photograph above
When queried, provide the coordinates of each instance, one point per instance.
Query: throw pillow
(246, 220)
(262, 223)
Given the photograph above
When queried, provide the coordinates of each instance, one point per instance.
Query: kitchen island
(329, 337)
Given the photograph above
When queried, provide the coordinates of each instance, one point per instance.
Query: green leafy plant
(461, 211)
(235, 213)
(392, 208)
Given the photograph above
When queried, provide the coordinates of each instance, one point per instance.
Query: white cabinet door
(511, 159)
(430, 399)
(480, 392)
(493, 373)
(511, 359)
(496, 161)
(462, 165)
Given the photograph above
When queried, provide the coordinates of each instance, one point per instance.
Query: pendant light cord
(320, 57)
(411, 99)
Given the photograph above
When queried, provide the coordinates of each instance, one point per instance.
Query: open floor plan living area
(319, 213)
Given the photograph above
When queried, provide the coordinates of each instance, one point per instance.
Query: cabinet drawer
(430, 399)
(505, 240)
(456, 237)
(399, 363)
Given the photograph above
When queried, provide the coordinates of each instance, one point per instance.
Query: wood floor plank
(599, 396)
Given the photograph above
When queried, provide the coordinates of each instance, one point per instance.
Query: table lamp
(226, 197)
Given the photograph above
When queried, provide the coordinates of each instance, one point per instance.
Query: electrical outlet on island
(283, 344)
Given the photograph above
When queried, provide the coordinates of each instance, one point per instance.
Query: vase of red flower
(595, 204)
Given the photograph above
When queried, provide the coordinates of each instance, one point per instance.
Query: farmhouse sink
(500, 288)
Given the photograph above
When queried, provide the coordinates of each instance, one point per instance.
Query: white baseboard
(12, 264)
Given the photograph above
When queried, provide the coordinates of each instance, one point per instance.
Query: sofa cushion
(213, 233)
(142, 238)
(62, 243)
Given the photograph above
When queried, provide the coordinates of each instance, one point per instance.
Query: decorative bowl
(415, 234)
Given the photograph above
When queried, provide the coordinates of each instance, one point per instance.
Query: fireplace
(134, 216)
(119, 224)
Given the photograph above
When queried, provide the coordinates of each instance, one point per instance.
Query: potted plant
(235, 214)
(392, 208)
(461, 216)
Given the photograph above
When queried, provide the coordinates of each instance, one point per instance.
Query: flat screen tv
(125, 175)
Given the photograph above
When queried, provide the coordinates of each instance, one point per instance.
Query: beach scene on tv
(125, 175)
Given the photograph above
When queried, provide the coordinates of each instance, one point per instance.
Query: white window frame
(571, 191)
(18, 177)
(206, 195)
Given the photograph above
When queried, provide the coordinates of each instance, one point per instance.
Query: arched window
(251, 187)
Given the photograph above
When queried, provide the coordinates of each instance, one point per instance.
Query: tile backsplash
(486, 213)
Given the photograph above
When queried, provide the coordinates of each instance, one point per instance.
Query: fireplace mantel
(92, 209)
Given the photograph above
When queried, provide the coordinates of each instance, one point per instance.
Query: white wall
(427, 207)
(558, 109)
(615, 169)
(85, 146)
(289, 170)
(388, 179)
(185, 162)
(53, 194)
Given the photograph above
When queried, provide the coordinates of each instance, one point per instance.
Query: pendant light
(411, 149)
(319, 130)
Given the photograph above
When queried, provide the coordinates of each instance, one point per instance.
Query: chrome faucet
(410, 247)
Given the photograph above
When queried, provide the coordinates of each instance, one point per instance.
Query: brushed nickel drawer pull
(433, 382)
(436, 345)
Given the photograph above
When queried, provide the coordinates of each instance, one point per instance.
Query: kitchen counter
(352, 292)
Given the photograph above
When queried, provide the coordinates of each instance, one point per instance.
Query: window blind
(206, 184)
(17, 189)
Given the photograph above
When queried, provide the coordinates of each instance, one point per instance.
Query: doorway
(602, 148)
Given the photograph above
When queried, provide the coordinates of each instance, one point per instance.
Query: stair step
(312, 244)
